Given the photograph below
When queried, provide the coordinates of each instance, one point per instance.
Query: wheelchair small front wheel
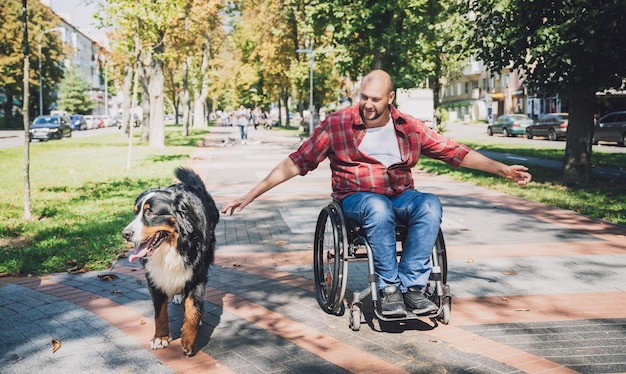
(355, 318)
(328, 261)
(445, 314)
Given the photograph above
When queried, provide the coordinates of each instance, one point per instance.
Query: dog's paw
(177, 299)
(187, 352)
(160, 342)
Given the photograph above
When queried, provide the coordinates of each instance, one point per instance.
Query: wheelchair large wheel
(329, 259)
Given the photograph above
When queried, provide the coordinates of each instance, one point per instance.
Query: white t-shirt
(381, 143)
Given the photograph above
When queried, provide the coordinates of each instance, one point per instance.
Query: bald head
(380, 78)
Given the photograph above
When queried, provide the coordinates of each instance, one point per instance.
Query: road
(462, 132)
(15, 138)
(457, 131)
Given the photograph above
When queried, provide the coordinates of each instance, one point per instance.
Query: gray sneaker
(418, 303)
(391, 302)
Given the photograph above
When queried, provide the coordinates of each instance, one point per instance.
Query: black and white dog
(174, 237)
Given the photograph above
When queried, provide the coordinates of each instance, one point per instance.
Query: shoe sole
(394, 313)
(425, 311)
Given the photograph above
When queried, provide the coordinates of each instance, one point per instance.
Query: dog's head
(155, 223)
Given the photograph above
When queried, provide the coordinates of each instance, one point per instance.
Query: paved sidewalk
(536, 290)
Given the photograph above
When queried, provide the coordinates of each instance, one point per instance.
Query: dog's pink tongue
(140, 252)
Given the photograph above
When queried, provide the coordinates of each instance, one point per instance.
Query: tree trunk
(157, 120)
(184, 96)
(144, 79)
(285, 98)
(199, 110)
(577, 161)
(127, 109)
(28, 215)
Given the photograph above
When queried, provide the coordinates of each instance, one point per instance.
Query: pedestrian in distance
(372, 148)
(256, 117)
(242, 116)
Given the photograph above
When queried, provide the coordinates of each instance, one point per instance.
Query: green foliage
(562, 46)
(40, 19)
(413, 40)
(74, 92)
(569, 48)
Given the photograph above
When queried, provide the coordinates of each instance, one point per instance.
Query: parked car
(50, 127)
(509, 125)
(611, 128)
(98, 122)
(552, 125)
(78, 122)
(90, 120)
(106, 120)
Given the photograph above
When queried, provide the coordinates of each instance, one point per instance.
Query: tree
(413, 40)
(74, 92)
(149, 21)
(571, 48)
(40, 18)
(192, 47)
(27, 207)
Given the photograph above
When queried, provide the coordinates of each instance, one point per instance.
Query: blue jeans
(377, 215)
(243, 130)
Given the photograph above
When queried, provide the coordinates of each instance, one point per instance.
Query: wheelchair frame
(336, 243)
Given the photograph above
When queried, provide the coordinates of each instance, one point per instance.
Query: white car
(90, 120)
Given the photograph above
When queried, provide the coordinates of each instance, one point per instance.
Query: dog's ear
(185, 215)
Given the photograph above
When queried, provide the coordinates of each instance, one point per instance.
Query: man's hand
(518, 174)
(237, 204)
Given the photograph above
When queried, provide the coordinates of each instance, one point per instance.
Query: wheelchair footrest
(408, 316)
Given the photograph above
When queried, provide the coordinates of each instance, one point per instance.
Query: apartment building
(479, 94)
(90, 58)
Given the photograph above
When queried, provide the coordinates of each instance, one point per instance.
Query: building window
(466, 88)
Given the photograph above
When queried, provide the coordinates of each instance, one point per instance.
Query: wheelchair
(336, 243)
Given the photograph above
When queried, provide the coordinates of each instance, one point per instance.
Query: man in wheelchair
(372, 148)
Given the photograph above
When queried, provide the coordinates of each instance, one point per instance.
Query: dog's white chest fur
(168, 270)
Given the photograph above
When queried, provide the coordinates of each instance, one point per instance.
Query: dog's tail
(189, 178)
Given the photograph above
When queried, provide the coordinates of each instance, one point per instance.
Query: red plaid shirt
(339, 136)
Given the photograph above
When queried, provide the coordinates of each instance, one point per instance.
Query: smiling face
(375, 97)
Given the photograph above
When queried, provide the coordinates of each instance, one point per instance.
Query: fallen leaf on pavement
(107, 277)
(56, 344)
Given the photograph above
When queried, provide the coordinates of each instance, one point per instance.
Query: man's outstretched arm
(282, 172)
(516, 173)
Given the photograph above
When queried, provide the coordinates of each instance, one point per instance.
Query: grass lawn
(81, 197)
(82, 194)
